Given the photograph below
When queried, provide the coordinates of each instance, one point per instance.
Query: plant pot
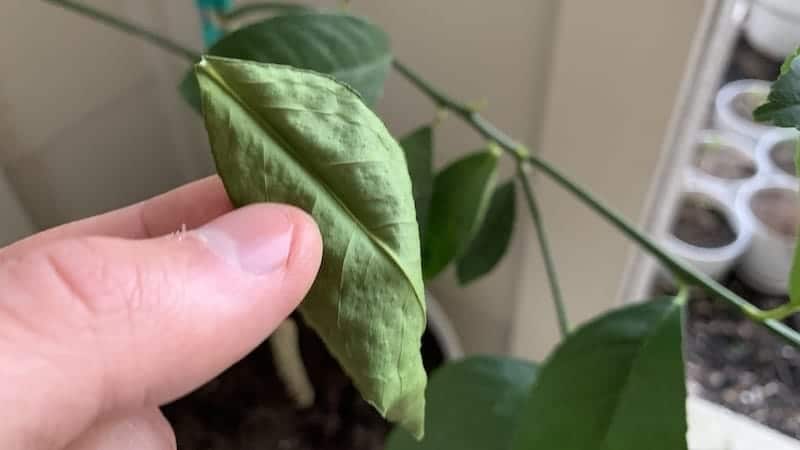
(724, 161)
(773, 27)
(248, 407)
(775, 154)
(769, 206)
(443, 330)
(707, 233)
(734, 105)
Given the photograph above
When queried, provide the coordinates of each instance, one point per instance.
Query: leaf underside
(616, 383)
(280, 134)
(472, 405)
(346, 47)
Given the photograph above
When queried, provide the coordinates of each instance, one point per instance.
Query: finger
(191, 205)
(144, 430)
(107, 324)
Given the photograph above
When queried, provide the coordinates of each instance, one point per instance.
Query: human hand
(105, 319)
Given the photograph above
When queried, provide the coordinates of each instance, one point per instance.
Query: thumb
(95, 325)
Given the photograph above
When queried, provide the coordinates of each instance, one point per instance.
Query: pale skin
(105, 319)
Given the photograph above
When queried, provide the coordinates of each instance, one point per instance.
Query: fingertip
(305, 256)
(143, 430)
(305, 249)
(275, 242)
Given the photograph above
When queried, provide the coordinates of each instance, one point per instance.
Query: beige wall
(614, 78)
(82, 122)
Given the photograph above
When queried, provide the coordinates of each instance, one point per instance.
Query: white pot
(728, 118)
(766, 263)
(764, 153)
(773, 27)
(714, 262)
(697, 178)
(443, 330)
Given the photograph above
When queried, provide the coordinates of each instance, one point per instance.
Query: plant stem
(544, 247)
(469, 115)
(441, 99)
(683, 295)
(285, 346)
(680, 270)
(122, 25)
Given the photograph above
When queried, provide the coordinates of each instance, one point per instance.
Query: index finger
(191, 205)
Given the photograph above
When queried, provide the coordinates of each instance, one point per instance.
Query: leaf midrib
(639, 348)
(214, 75)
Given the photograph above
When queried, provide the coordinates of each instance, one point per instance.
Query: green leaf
(787, 64)
(190, 91)
(472, 405)
(783, 102)
(281, 134)
(794, 274)
(345, 47)
(461, 193)
(783, 109)
(616, 383)
(491, 242)
(418, 147)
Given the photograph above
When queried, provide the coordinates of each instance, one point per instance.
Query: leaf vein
(219, 80)
(629, 370)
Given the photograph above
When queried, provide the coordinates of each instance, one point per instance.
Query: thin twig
(544, 247)
(680, 270)
(122, 25)
(285, 346)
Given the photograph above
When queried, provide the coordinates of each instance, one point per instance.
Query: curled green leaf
(461, 194)
(281, 134)
(491, 242)
(348, 48)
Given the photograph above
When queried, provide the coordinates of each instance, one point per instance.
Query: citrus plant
(287, 103)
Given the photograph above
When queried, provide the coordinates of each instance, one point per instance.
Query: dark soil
(748, 63)
(723, 162)
(702, 225)
(783, 156)
(777, 209)
(736, 363)
(247, 406)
